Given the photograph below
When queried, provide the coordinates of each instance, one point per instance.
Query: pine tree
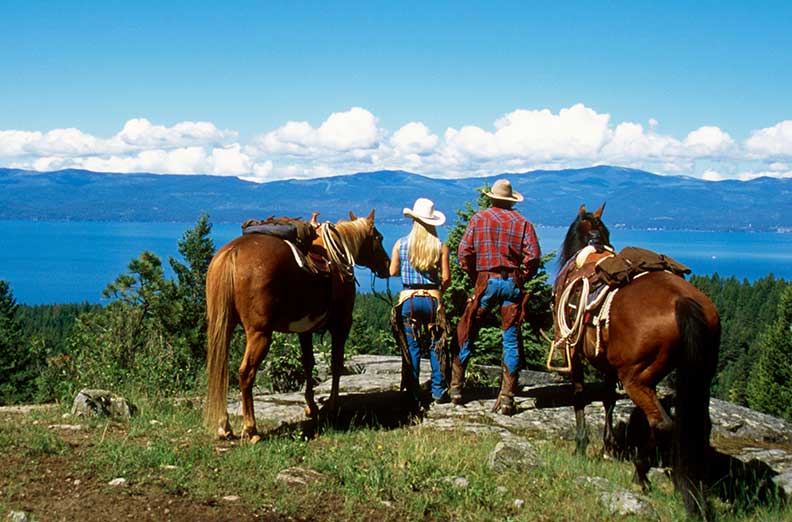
(16, 371)
(197, 249)
(770, 381)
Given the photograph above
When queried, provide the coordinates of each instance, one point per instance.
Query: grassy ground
(174, 471)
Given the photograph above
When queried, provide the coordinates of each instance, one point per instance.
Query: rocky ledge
(759, 445)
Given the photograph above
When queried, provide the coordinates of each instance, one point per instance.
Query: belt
(504, 273)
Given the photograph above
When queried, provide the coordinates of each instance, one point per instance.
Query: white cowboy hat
(502, 190)
(423, 210)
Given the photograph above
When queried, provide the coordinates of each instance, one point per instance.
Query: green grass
(404, 474)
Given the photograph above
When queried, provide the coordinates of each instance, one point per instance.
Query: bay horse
(658, 322)
(255, 281)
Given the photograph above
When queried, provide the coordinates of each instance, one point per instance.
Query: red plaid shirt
(497, 238)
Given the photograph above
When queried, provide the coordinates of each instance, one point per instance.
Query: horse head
(586, 229)
(371, 253)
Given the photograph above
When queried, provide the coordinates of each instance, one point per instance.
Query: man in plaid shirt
(500, 252)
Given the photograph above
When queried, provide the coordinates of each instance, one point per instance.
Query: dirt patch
(49, 488)
(56, 487)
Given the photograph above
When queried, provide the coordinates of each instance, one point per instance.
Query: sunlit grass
(366, 473)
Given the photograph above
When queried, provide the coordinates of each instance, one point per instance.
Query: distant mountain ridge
(635, 198)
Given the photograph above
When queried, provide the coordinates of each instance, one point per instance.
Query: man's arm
(532, 255)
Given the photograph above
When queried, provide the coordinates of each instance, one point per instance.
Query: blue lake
(60, 262)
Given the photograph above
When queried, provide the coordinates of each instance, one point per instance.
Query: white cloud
(414, 138)
(708, 141)
(771, 142)
(712, 175)
(348, 131)
(352, 141)
(535, 135)
(140, 133)
(15, 143)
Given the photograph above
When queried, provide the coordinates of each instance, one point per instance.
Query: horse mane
(354, 232)
(573, 241)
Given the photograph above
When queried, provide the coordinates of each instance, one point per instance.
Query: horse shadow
(745, 485)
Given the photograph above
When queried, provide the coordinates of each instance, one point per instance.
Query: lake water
(60, 262)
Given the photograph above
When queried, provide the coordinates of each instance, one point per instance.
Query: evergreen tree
(770, 381)
(16, 372)
(197, 249)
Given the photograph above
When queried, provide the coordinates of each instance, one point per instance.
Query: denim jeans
(423, 310)
(499, 292)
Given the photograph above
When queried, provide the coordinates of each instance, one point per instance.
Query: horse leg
(609, 439)
(579, 402)
(306, 345)
(659, 425)
(256, 349)
(338, 339)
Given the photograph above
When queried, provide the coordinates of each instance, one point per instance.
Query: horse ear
(582, 209)
(371, 216)
(598, 212)
(352, 216)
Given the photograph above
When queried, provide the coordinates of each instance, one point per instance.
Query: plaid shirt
(497, 238)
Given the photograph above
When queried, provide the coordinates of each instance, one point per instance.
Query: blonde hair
(423, 247)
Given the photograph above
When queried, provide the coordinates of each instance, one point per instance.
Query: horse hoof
(225, 434)
(255, 439)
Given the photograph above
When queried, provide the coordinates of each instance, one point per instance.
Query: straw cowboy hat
(423, 210)
(502, 190)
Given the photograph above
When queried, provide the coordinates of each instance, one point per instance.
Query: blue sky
(440, 88)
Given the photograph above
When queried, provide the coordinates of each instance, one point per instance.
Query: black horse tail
(695, 371)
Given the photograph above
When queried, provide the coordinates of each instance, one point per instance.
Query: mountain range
(635, 198)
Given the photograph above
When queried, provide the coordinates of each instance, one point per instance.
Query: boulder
(102, 403)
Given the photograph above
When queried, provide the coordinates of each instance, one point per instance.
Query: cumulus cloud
(414, 138)
(348, 131)
(353, 140)
(771, 142)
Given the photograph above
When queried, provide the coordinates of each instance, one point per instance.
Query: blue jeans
(423, 311)
(499, 292)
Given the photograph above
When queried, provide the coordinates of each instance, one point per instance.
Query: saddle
(301, 236)
(586, 286)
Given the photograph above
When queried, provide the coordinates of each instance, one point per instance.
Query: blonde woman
(421, 260)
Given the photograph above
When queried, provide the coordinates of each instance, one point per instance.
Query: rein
(338, 251)
(385, 297)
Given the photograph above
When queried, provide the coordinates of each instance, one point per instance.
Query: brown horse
(255, 281)
(657, 323)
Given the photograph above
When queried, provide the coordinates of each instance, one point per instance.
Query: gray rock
(118, 482)
(102, 403)
(544, 412)
(17, 516)
(617, 500)
(624, 502)
(518, 455)
(297, 476)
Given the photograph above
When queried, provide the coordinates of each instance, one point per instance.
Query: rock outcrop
(370, 394)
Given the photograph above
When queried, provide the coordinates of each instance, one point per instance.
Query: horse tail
(219, 311)
(695, 370)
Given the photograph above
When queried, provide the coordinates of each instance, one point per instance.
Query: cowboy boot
(457, 381)
(509, 383)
